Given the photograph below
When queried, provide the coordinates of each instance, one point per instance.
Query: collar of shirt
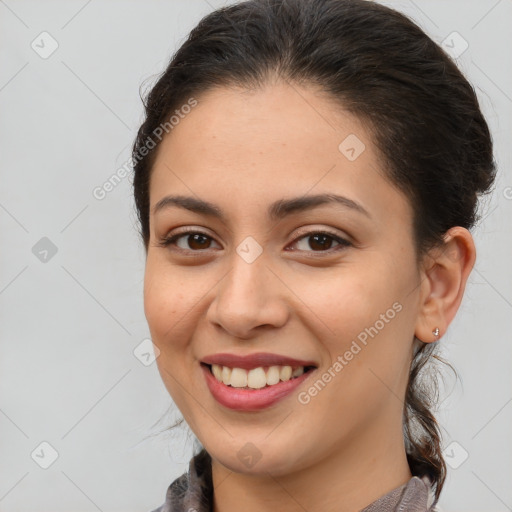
(193, 491)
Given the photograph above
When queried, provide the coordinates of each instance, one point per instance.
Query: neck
(348, 480)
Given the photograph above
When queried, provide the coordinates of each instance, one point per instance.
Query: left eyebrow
(285, 207)
(277, 210)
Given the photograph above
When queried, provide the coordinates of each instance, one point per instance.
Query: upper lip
(250, 361)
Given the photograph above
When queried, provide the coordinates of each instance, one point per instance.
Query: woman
(306, 177)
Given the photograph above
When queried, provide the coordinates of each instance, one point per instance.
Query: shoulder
(175, 495)
(192, 490)
(418, 495)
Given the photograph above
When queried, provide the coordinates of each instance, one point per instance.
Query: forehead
(247, 149)
(281, 121)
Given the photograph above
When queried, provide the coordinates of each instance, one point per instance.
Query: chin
(253, 459)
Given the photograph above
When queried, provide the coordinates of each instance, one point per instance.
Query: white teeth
(256, 378)
(286, 373)
(298, 371)
(238, 378)
(273, 375)
(226, 375)
(217, 371)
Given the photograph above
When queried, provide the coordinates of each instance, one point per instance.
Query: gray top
(194, 491)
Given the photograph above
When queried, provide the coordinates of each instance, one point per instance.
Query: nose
(250, 298)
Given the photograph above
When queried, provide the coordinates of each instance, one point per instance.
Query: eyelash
(343, 243)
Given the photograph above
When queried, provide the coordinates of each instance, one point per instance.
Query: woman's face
(263, 279)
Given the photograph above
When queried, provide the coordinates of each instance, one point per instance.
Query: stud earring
(435, 332)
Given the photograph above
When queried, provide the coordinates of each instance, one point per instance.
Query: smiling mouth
(256, 378)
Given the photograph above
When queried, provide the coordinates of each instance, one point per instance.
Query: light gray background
(70, 324)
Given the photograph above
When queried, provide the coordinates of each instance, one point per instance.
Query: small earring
(435, 332)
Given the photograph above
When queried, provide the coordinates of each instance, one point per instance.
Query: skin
(242, 151)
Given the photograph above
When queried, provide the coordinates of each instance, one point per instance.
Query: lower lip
(250, 399)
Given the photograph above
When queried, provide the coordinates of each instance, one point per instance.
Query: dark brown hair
(376, 63)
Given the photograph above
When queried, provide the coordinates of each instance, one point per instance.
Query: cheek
(169, 324)
(169, 314)
(382, 337)
(361, 316)
(345, 300)
(165, 303)
(162, 311)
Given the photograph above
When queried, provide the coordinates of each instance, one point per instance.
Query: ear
(444, 274)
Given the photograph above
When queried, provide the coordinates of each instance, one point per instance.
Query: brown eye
(197, 241)
(319, 241)
(188, 241)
